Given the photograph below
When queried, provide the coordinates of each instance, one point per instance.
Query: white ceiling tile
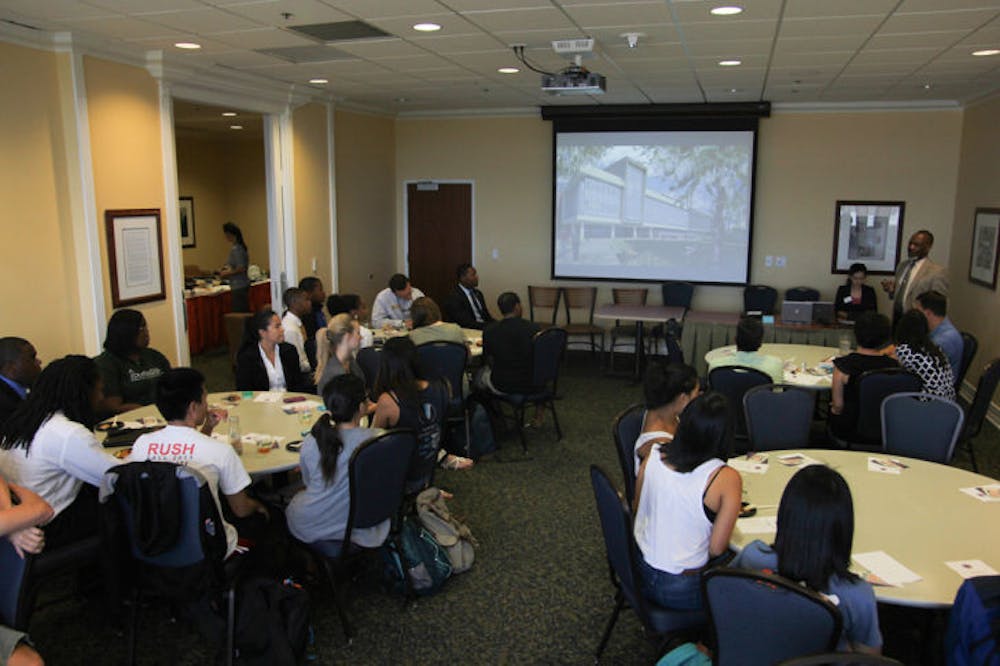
(202, 21)
(133, 7)
(813, 9)
(416, 63)
(262, 38)
(800, 60)
(56, 9)
(646, 52)
(966, 19)
(687, 12)
(544, 18)
(478, 5)
(839, 43)
(471, 43)
(244, 59)
(830, 27)
(369, 9)
(209, 45)
(123, 28)
(627, 15)
(894, 56)
(380, 48)
(745, 47)
(938, 39)
(402, 26)
(537, 39)
(943, 5)
(304, 12)
(702, 32)
(652, 33)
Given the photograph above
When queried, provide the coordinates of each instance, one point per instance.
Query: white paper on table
(971, 568)
(884, 465)
(269, 396)
(304, 406)
(749, 466)
(248, 439)
(885, 568)
(758, 525)
(987, 493)
(806, 379)
(797, 460)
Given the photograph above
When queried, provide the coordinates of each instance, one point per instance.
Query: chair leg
(619, 604)
(519, 424)
(230, 624)
(133, 626)
(555, 420)
(338, 600)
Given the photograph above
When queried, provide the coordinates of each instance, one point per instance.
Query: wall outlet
(769, 261)
(781, 261)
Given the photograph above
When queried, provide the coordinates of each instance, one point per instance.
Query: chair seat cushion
(664, 620)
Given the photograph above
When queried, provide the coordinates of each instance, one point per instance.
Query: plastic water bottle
(235, 436)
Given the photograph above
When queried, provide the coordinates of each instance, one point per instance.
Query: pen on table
(900, 463)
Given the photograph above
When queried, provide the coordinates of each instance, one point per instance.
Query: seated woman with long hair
(917, 353)
(265, 361)
(686, 503)
(667, 390)
(813, 546)
(129, 367)
(336, 347)
(872, 332)
(405, 400)
(318, 514)
(47, 446)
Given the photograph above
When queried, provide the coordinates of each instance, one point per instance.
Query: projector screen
(653, 205)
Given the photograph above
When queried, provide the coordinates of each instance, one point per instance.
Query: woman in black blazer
(263, 338)
(855, 296)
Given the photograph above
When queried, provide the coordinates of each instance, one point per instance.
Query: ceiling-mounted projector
(574, 80)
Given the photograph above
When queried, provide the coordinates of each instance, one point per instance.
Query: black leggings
(77, 521)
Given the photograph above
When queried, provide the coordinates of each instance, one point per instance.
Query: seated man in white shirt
(392, 304)
(297, 306)
(181, 399)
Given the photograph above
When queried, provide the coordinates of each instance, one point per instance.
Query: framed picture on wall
(869, 233)
(135, 256)
(186, 210)
(985, 245)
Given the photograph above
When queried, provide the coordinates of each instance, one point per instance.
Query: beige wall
(979, 187)
(123, 108)
(805, 163)
(312, 192)
(365, 165)
(36, 221)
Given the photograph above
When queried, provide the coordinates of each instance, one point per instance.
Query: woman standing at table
(407, 401)
(48, 447)
(265, 361)
(236, 268)
(855, 296)
(129, 368)
(667, 390)
(686, 503)
(317, 516)
(336, 346)
(916, 353)
(813, 546)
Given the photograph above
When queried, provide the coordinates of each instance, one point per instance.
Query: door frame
(406, 214)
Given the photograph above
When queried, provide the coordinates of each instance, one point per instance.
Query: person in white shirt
(392, 304)
(181, 399)
(47, 446)
(297, 306)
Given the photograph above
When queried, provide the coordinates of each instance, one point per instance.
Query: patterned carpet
(538, 593)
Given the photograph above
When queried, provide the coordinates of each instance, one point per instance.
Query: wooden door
(439, 235)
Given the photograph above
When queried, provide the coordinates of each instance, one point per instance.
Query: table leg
(640, 351)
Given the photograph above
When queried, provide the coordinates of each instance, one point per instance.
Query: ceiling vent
(307, 54)
(340, 31)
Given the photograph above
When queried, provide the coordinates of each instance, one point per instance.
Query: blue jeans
(677, 591)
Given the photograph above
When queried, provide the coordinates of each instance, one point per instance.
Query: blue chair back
(733, 381)
(447, 361)
(760, 619)
(368, 359)
(875, 386)
(678, 294)
(377, 474)
(802, 294)
(13, 572)
(778, 416)
(921, 426)
(547, 353)
(981, 401)
(759, 298)
(626, 429)
(970, 345)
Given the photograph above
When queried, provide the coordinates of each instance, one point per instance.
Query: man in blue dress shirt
(934, 306)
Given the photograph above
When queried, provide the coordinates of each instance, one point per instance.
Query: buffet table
(205, 308)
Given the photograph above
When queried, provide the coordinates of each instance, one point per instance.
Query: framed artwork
(869, 233)
(135, 256)
(186, 211)
(985, 245)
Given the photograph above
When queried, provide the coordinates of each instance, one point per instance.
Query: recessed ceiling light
(927, 86)
(730, 63)
(733, 91)
(426, 27)
(986, 52)
(236, 127)
(229, 114)
(508, 70)
(190, 46)
(319, 82)
(726, 10)
(402, 100)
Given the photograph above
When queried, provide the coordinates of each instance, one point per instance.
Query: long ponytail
(343, 397)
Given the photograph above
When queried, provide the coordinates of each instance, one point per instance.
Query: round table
(793, 357)
(919, 517)
(255, 417)
(473, 338)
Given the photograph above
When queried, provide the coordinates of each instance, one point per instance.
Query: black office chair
(448, 361)
(678, 294)
(970, 345)
(802, 294)
(921, 426)
(733, 381)
(626, 429)
(778, 416)
(759, 298)
(377, 473)
(547, 352)
(976, 413)
(875, 386)
(369, 359)
(179, 565)
(759, 619)
(623, 554)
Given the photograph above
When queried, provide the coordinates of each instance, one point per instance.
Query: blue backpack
(422, 559)
(973, 636)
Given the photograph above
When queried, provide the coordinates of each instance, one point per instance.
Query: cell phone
(296, 398)
(295, 446)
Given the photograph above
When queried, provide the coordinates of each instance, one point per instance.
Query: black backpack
(272, 622)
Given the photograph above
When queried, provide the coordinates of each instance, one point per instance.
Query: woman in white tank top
(686, 504)
(667, 390)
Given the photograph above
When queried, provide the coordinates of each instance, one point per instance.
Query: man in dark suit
(19, 366)
(465, 304)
